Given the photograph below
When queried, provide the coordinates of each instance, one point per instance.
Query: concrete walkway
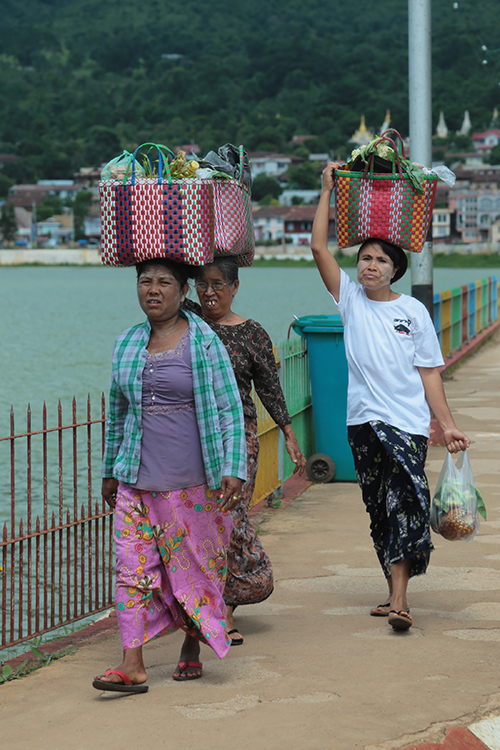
(315, 670)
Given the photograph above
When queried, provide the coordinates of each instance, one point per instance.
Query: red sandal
(127, 686)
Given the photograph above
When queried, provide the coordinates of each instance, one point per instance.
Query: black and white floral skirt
(390, 470)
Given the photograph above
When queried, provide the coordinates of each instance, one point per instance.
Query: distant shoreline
(90, 257)
(441, 260)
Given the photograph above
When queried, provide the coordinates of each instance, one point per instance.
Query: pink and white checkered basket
(186, 220)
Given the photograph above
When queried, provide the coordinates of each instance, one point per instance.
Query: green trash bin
(329, 375)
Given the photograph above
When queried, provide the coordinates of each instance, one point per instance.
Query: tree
(263, 186)
(268, 200)
(8, 223)
(50, 206)
(102, 144)
(5, 184)
(494, 155)
(460, 143)
(305, 177)
(81, 206)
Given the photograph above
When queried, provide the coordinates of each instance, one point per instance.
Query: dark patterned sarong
(390, 470)
(249, 571)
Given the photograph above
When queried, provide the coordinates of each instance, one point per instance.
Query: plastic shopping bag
(120, 168)
(457, 503)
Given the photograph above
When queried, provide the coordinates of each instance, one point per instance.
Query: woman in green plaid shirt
(174, 463)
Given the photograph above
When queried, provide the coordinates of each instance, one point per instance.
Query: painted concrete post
(420, 77)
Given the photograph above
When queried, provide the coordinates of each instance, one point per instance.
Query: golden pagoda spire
(362, 136)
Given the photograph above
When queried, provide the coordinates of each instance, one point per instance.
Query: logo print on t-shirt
(402, 325)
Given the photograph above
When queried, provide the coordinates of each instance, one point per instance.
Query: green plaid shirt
(217, 403)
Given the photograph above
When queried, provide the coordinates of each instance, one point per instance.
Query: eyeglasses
(217, 286)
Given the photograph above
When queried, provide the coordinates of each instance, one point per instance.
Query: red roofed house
(485, 142)
(26, 195)
(268, 222)
(299, 221)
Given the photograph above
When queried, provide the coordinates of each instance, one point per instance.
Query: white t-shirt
(385, 342)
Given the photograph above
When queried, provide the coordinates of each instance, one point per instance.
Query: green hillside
(82, 79)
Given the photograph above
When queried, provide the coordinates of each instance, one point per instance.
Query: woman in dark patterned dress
(250, 575)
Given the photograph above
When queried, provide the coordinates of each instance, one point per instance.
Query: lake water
(59, 323)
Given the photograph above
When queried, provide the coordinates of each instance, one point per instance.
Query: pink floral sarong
(171, 550)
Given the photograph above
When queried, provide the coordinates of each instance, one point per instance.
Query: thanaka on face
(375, 268)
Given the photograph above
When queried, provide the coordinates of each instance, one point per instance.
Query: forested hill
(82, 79)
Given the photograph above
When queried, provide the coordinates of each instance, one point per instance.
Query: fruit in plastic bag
(456, 524)
(457, 504)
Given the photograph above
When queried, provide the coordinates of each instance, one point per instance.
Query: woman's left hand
(296, 455)
(293, 450)
(455, 440)
(230, 493)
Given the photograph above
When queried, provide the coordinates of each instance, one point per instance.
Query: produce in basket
(120, 168)
(181, 167)
(381, 156)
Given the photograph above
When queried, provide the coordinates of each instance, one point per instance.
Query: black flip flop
(117, 687)
(375, 613)
(182, 666)
(237, 641)
(401, 620)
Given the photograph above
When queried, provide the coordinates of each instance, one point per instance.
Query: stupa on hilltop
(362, 136)
(466, 125)
(387, 122)
(442, 129)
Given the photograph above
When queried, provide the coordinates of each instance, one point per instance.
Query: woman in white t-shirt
(393, 354)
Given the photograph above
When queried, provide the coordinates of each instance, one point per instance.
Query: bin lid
(318, 324)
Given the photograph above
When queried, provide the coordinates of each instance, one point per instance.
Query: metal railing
(461, 313)
(55, 550)
(274, 464)
(296, 385)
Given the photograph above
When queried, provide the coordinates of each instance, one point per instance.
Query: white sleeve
(427, 348)
(347, 288)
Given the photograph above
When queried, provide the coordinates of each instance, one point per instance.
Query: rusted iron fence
(56, 547)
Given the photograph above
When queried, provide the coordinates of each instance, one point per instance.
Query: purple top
(171, 456)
